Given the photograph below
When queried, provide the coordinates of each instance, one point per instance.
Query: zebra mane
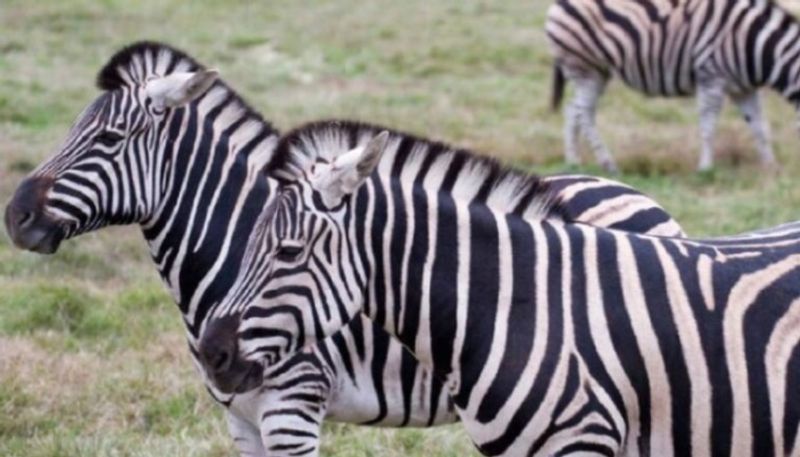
(134, 63)
(466, 174)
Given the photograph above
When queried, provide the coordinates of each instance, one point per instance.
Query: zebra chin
(38, 241)
(238, 379)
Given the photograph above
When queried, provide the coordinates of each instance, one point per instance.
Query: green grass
(92, 356)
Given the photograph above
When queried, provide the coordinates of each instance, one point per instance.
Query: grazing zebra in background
(674, 48)
(553, 337)
(171, 148)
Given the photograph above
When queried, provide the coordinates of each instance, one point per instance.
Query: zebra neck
(440, 270)
(213, 190)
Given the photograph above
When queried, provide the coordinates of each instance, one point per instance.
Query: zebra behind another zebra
(553, 337)
(674, 48)
(171, 148)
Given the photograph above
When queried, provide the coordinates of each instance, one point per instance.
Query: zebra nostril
(219, 348)
(220, 361)
(25, 219)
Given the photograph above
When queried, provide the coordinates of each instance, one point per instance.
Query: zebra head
(109, 170)
(297, 284)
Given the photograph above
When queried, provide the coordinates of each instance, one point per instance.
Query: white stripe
(740, 299)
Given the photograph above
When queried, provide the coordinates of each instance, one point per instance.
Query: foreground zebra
(554, 337)
(671, 48)
(169, 147)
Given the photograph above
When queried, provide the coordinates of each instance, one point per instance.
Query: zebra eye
(289, 252)
(108, 138)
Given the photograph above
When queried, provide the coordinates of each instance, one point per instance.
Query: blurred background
(92, 355)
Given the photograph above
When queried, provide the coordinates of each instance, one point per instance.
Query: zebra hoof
(770, 168)
(610, 168)
(705, 167)
(572, 160)
(707, 173)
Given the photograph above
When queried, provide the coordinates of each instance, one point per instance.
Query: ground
(92, 357)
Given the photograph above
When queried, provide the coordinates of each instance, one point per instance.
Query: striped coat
(553, 337)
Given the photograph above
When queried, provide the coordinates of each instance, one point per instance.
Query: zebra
(171, 147)
(553, 337)
(716, 48)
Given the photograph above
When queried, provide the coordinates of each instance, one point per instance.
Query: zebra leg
(588, 90)
(750, 106)
(571, 131)
(710, 98)
(291, 432)
(292, 428)
(245, 436)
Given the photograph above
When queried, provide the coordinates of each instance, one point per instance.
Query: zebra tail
(559, 82)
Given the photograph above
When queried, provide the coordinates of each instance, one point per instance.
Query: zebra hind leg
(582, 110)
(571, 132)
(710, 98)
(750, 106)
(246, 437)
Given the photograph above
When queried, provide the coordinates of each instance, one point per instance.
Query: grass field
(92, 356)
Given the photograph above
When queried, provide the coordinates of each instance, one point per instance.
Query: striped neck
(212, 190)
(442, 236)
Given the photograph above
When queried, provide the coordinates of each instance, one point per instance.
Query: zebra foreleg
(710, 98)
(581, 114)
(292, 428)
(246, 437)
(750, 106)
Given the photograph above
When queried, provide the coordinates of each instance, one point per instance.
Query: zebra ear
(350, 170)
(179, 89)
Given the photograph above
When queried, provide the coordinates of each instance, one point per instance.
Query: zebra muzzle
(27, 222)
(219, 353)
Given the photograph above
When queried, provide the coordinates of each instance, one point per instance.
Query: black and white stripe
(606, 203)
(553, 337)
(674, 48)
(190, 176)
